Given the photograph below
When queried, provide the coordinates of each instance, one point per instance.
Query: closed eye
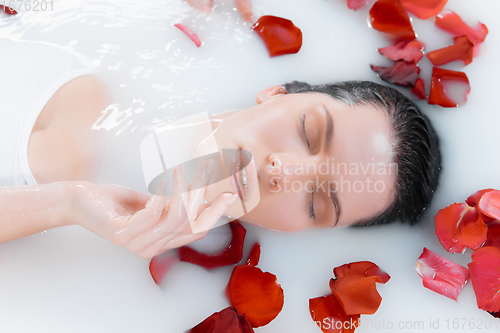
(303, 124)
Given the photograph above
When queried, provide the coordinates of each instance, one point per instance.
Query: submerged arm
(26, 210)
(143, 225)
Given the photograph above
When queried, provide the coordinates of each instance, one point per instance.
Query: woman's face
(317, 161)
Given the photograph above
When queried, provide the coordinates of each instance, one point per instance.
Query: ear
(267, 94)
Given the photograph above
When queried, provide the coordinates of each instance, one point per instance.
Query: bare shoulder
(84, 97)
(62, 144)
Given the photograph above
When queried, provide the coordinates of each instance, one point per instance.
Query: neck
(217, 119)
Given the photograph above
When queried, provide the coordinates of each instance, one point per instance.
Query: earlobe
(267, 94)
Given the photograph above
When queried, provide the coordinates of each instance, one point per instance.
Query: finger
(149, 215)
(197, 188)
(182, 240)
(203, 5)
(208, 218)
(182, 233)
(171, 223)
(244, 7)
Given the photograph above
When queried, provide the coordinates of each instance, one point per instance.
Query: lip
(240, 160)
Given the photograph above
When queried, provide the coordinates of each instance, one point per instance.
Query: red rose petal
(357, 4)
(361, 269)
(489, 204)
(253, 258)
(451, 22)
(441, 275)
(280, 35)
(8, 10)
(409, 51)
(390, 17)
(460, 50)
(160, 265)
(485, 277)
(459, 226)
(401, 73)
(227, 321)
(327, 312)
(493, 236)
(232, 254)
(255, 293)
(473, 201)
(419, 89)
(189, 33)
(424, 9)
(437, 95)
(358, 294)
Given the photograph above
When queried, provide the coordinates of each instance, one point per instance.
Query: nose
(286, 168)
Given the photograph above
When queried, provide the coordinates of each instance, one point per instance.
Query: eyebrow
(326, 147)
(328, 131)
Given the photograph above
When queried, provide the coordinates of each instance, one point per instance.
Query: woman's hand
(144, 225)
(244, 7)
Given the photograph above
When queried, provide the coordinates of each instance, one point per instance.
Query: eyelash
(303, 124)
(311, 208)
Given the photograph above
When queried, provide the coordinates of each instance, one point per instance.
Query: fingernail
(210, 166)
(183, 169)
(164, 184)
(232, 199)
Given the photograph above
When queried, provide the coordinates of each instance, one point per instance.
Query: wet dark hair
(416, 144)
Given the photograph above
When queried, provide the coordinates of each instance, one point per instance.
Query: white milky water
(70, 280)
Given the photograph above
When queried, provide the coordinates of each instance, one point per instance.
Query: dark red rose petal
(401, 73)
(495, 314)
(390, 17)
(357, 4)
(361, 269)
(459, 226)
(441, 275)
(8, 10)
(327, 312)
(438, 95)
(462, 49)
(489, 204)
(424, 9)
(419, 89)
(255, 293)
(253, 258)
(493, 236)
(160, 265)
(280, 35)
(485, 276)
(452, 23)
(232, 254)
(225, 321)
(409, 51)
(189, 33)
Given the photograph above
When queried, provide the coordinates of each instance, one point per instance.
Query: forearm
(26, 210)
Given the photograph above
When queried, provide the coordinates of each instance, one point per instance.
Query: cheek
(280, 212)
